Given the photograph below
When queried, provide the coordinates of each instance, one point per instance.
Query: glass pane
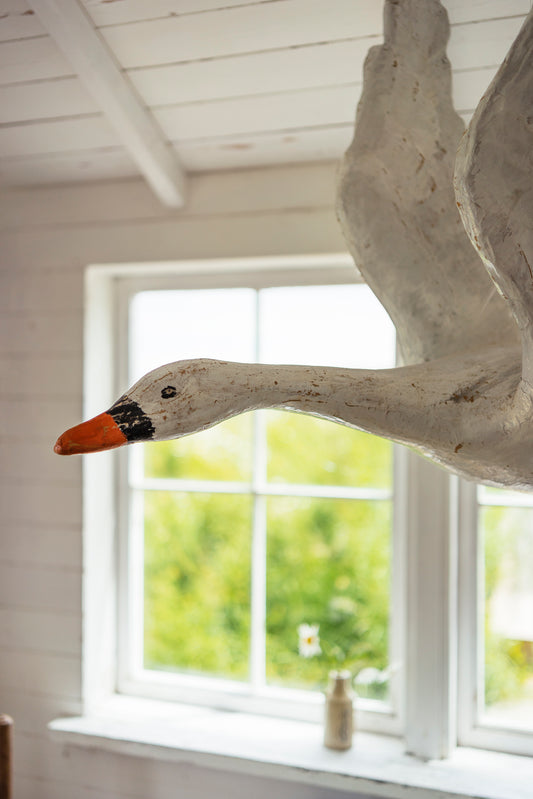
(328, 567)
(167, 326)
(325, 326)
(507, 533)
(304, 449)
(223, 452)
(197, 583)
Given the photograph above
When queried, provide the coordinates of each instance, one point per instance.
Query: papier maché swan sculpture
(464, 396)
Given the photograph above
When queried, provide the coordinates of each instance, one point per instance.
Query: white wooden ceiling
(229, 83)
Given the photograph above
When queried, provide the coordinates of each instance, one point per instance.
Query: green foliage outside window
(305, 449)
(508, 549)
(223, 452)
(328, 560)
(197, 582)
(327, 564)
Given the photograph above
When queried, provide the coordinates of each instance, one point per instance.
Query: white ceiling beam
(74, 33)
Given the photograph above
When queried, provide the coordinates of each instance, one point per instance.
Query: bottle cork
(338, 726)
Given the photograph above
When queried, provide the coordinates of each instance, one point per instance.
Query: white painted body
(466, 413)
(463, 399)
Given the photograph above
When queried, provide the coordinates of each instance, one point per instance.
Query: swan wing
(396, 203)
(494, 184)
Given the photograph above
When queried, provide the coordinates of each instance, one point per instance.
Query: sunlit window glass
(317, 494)
(506, 537)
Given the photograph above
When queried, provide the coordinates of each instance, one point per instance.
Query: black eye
(168, 391)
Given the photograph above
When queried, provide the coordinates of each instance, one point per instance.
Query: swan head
(168, 402)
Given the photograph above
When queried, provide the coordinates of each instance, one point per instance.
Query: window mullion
(470, 684)
(259, 486)
(259, 534)
(135, 566)
(258, 595)
(431, 610)
(133, 552)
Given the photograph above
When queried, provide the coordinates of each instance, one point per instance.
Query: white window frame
(108, 288)
(254, 696)
(473, 728)
(434, 629)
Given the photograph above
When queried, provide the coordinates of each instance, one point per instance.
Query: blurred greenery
(197, 582)
(328, 560)
(508, 662)
(328, 564)
(306, 449)
(223, 452)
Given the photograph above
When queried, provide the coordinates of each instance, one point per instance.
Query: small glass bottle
(338, 723)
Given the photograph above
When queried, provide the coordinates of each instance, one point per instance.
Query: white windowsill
(293, 751)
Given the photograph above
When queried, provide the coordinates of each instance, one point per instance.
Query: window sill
(293, 751)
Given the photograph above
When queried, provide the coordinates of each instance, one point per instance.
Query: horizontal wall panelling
(220, 194)
(40, 631)
(40, 673)
(44, 545)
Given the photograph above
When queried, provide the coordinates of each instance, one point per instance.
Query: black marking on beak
(131, 419)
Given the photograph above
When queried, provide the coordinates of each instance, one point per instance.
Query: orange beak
(96, 435)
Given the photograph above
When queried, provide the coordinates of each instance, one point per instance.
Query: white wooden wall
(48, 236)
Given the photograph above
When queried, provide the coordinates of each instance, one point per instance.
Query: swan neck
(282, 386)
(320, 390)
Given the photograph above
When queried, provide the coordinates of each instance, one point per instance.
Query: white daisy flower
(308, 640)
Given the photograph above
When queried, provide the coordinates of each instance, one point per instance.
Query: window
(506, 546)
(259, 550)
(497, 563)
(230, 540)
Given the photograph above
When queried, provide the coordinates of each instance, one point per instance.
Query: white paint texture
(494, 186)
(461, 400)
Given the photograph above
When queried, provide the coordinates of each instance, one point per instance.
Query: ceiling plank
(242, 29)
(75, 35)
(17, 21)
(45, 99)
(105, 13)
(478, 10)
(81, 168)
(32, 59)
(269, 26)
